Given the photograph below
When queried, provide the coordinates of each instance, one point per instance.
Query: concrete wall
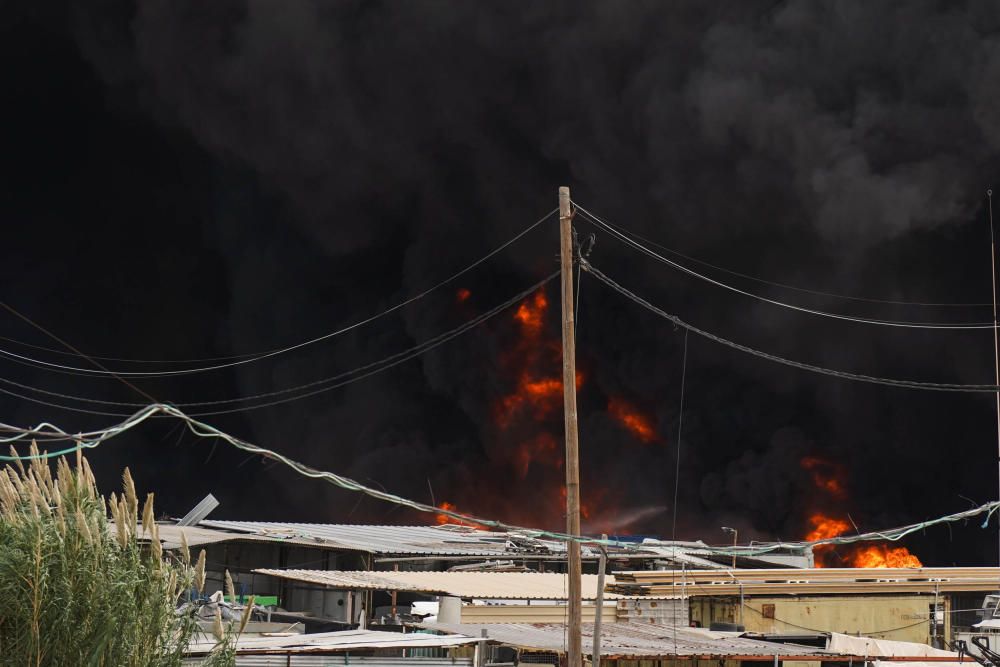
(898, 617)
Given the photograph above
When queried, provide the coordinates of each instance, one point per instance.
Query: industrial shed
(498, 597)
(906, 604)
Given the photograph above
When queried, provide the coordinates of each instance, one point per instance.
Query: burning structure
(526, 427)
(831, 491)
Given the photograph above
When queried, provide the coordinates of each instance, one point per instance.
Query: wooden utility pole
(595, 655)
(574, 656)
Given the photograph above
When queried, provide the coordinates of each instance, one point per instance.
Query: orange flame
(463, 294)
(872, 555)
(825, 527)
(879, 555)
(633, 421)
(537, 394)
(825, 475)
(542, 396)
(527, 420)
(443, 519)
(544, 388)
(532, 311)
(540, 393)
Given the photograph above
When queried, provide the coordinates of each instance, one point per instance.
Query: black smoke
(187, 180)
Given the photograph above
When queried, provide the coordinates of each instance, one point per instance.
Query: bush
(77, 589)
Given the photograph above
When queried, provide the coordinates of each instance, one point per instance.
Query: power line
(389, 362)
(274, 352)
(62, 342)
(772, 283)
(201, 429)
(326, 384)
(69, 408)
(811, 311)
(53, 350)
(844, 375)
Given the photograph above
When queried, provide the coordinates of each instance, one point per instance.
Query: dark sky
(187, 180)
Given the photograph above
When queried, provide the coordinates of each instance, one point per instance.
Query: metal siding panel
(903, 618)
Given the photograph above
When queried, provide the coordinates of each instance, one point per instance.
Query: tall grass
(77, 590)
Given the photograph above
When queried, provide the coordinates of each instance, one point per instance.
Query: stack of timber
(813, 581)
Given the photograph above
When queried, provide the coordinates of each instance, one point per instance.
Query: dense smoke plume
(193, 180)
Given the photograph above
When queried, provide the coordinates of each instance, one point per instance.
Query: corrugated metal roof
(430, 541)
(402, 540)
(170, 536)
(872, 647)
(418, 541)
(347, 640)
(629, 640)
(312, 660)
(477, 585)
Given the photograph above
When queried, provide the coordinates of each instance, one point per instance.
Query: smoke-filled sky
(187, 180)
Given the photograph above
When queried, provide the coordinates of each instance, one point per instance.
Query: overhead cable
(70, 347)
(811, 311)
(844, 375)
(772, 283)
(68, 408)
(242, 359)
(94, 439)
(64, 353)
(315, 387)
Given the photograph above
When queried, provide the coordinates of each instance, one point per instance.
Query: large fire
(828, 479)
(856, 555)
(527, 415)
(634, 421)
(524, 443)
(879, 555)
